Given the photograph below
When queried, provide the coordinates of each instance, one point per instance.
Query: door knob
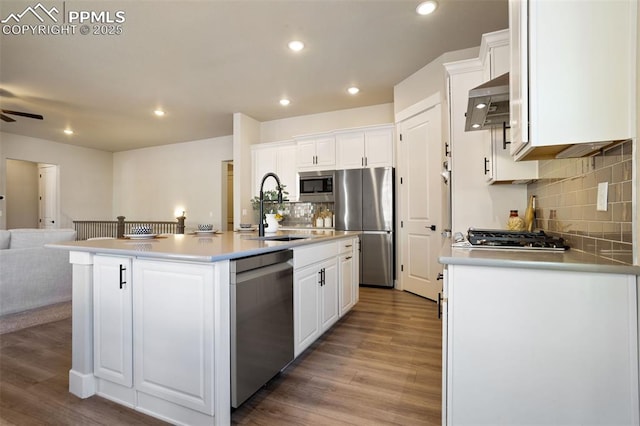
(432, 227)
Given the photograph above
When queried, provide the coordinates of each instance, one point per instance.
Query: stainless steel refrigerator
(365, 201)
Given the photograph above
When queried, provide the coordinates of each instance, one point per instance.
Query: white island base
(134, 344)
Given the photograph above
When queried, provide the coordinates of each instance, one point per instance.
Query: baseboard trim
(38, 316)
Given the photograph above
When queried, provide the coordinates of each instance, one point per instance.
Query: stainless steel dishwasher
(261, 321)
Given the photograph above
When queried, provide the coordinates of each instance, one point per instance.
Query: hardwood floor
(380, 365)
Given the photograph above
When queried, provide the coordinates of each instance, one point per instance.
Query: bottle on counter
(515, 222)
(530, 214)
(328, 219)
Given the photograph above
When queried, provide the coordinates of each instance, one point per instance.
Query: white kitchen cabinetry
(315, 292)
(173, 329)
(371, 147)
(473, 202)
(112, 320)
(277, 157)
(157, 347)
(348, 265)
(316, 152)
(537, 346)
(573, 72)
(499, 165)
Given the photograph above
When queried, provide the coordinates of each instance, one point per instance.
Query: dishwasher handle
(260, 272)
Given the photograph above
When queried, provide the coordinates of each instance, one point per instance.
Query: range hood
(488, 104)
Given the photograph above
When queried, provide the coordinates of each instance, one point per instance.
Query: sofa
(31, 275)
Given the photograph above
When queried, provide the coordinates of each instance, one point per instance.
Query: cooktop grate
(515, 239)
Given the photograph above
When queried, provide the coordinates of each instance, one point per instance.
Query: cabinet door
(264, 160)
(306, 153)
(379, 148)
(326, 151)
(557, 336)
(581, 98)
(350, 148)
(174, 327)
(329, 302)
(518, 74)
(346, 283)
(112, 319)
(306, 296)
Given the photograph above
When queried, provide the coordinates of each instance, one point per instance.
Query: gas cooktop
(498, 238)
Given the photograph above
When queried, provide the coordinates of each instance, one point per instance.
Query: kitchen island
(151, 317)
(533, 337)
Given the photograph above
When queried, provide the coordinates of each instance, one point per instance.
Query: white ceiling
(202, 61)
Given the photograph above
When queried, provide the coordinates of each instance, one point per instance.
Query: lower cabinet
(315, 307)
(348, 266)
(325, 287)
(154, 334)
(173, 330)
(112, 320)
(539, 347)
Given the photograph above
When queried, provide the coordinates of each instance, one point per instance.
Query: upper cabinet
(499, 165)
(572, 76)
(316, 152)
(280, 158)
(370, 147)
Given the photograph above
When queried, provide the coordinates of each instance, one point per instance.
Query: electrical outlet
(603, 189)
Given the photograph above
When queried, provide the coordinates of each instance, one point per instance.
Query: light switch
(603, 188)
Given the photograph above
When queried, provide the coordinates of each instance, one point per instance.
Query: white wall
(287, 128)
(428, 80)
(22, 192)
(85, 179)
(246, 131)
(158, 182)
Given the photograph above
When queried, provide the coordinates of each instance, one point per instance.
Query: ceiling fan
(8, 119)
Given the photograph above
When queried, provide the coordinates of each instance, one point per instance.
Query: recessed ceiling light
(159, 112)
(68, 131)
(475, 126)
(427, 7)
(284, 102)
(481, 106)
(353, 90)
(296, 45)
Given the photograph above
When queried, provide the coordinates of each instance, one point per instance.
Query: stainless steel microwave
(317, 186)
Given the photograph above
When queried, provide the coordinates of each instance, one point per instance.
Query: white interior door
(421, 190)
(48, 188)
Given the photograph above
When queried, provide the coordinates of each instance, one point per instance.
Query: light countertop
(569, 260)
(200, 247)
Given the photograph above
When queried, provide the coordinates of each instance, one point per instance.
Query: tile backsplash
(566, 196)
(304, 214)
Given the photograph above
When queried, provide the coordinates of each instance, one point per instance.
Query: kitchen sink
(282, 238)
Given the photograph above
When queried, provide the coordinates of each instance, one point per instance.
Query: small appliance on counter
(515, 240)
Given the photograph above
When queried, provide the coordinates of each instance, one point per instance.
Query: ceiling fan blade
(23, 114)
(6, 118)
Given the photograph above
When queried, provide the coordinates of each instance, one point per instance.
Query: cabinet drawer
(347, 245)
(313, 253)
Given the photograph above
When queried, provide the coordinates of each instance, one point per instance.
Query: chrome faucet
(261, 220)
